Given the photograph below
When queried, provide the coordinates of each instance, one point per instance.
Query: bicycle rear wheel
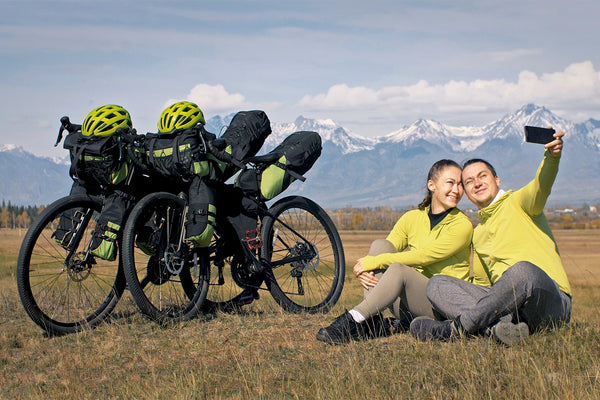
(305, 254)
(62, 286)
(166, 276)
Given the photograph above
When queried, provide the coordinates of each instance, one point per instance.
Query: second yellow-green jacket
(514, 228)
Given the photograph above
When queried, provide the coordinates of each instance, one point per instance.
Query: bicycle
(63, 287)
(296, 252)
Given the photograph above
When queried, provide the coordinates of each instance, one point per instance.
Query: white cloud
(213, 99)
(577, 87)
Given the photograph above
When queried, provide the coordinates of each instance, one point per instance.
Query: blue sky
(370, 66)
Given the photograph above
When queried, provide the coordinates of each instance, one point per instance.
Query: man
(513, 244)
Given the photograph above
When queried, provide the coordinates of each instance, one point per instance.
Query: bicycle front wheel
(305, 254)
(62, 286)
(166, 276)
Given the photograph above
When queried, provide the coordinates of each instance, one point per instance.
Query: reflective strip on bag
(168, 151)
(92, 158)
(212, 213)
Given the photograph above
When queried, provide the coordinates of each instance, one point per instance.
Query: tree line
(380, 218)
(13, 216)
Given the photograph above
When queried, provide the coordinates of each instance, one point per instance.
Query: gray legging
(523, 293)
(400, 288)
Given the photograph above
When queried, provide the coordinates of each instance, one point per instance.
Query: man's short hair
(479, 160)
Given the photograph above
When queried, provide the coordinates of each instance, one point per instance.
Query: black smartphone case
(534, 134)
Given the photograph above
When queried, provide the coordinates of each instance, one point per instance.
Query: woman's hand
(358, 268)
(367, 279)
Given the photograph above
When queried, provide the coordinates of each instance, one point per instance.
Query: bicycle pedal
(254, 239)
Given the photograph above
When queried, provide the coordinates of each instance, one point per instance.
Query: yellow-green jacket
(445, 249)
(514, 228)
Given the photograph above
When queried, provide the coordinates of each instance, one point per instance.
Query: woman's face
(446, 189)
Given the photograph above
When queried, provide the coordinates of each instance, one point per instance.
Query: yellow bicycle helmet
(105, 120)
(181, 115)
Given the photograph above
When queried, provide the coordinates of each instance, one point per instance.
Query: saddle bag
(244, 136)
(293, 158)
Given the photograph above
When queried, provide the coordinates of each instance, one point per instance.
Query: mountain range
(386, 170)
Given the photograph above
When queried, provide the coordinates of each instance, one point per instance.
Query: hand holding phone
(534, 134)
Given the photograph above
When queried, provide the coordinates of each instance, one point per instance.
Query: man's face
(481, 186)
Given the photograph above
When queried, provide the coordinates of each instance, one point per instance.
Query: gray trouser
(400, 288)
(524, 293)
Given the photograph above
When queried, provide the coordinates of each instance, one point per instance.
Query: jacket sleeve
(534, 195)
(455, 236)
(399, 234)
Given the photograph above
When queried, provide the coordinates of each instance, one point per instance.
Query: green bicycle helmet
(105, 120)
(181, 115)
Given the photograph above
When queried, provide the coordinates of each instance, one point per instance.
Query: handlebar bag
(295, 156)
(97, 161)
(245, 135)
(181, 155)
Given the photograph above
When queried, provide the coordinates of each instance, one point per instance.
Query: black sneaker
(425, 328)
(508, 333)
(342, 330)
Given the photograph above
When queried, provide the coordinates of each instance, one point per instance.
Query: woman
(438, 238)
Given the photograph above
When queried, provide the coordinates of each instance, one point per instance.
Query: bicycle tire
(66, 295)
(299, 230)
(171, 285)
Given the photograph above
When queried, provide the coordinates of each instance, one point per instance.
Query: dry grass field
(264, 353)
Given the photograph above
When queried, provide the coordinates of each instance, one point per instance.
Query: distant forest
(353, 218)
(384, 218)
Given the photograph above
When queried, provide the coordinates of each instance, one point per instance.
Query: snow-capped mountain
(341, 139)
(331, 133)
(512, 125)
(388, 170)
(457, 138)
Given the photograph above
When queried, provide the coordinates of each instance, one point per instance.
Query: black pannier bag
(114, 211)
(201, 215)
(69, 220)
(180, 156)
(293, 158)
(244, 136)
(96, 161)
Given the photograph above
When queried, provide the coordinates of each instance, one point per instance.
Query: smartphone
(534, 134)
